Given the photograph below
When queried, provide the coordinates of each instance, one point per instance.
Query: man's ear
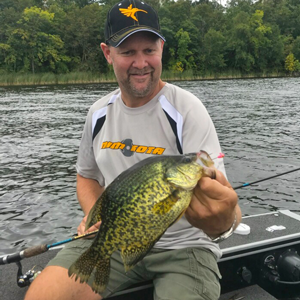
(106, 51)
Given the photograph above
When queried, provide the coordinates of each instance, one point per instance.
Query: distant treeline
(203, 37)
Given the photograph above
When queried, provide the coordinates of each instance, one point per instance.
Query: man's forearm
(88, 191)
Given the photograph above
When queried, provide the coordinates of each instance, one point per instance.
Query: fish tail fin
(101, 275)
(84, 265)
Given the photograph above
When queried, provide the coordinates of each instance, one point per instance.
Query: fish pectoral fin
(165, 205)
(132, 254)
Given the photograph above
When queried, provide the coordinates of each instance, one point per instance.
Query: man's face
(137, 66)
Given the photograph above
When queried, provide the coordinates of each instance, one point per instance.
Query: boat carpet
(253, 292)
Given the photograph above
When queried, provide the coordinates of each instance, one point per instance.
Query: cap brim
(118, 38)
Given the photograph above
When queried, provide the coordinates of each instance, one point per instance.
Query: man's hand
(213, 206)
(81, 228)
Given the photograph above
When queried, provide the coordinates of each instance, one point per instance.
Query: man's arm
(214, 206)
(88, 191)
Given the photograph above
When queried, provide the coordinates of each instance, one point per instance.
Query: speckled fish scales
(135, 210)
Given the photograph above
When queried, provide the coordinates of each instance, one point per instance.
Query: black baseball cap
(128, 17)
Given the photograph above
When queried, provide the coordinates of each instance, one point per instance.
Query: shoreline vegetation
(29, 79)
(50, 42)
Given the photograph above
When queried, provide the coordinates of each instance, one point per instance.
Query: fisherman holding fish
(138, 147)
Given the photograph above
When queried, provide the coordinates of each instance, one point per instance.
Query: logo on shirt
(130, 12)
(128, 148)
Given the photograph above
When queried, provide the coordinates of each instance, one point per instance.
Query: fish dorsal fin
(132, 254)
(165, 205)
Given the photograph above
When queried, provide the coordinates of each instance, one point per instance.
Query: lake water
(258, 122)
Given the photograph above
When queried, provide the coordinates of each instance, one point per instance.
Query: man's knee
(55, 284)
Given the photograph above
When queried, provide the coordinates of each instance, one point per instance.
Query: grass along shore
(29, 79)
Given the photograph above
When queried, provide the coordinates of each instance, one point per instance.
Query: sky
(223, 2)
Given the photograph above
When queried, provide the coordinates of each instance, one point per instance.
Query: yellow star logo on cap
(130, 12)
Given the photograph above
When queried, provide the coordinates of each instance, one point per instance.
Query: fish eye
(187, 159)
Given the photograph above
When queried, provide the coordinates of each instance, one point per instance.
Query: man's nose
(140, 61)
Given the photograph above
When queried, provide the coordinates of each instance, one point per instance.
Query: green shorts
(189, 274)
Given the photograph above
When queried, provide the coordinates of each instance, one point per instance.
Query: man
(144, 117)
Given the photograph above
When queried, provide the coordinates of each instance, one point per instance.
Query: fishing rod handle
(35, 250)
(15, 257)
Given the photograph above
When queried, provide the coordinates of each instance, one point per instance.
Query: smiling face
(137, 66)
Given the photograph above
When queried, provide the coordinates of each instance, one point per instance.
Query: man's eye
(127, 52)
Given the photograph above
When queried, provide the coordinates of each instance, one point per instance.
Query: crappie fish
(136, 209)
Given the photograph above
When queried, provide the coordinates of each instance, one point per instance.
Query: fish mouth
(202, 158)
(199, 159)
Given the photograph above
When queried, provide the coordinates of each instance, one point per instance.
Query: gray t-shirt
(115, 137)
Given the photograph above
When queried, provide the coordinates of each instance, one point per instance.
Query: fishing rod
(264, 179)
(36, 250)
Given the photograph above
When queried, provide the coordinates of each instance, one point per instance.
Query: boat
(260, 261)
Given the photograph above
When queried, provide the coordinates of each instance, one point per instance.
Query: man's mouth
(141, 74)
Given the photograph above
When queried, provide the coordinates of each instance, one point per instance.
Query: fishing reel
(282, 268)
(24, 280)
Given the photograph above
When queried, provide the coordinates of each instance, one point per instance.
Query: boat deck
(235, 248)
(261, 239)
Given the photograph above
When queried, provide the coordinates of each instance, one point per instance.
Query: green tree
(296, 48)
(260, 41)
(4, 52)
(182, 56)
(291, 63)
(239, 46)
(214, 48)
(32, 42)
(83, 32)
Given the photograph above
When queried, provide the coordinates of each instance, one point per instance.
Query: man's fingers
(222, 179)
(211, 196)
(81, 228)
(94, 227)
(213, 188)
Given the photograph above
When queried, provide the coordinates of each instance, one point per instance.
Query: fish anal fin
(165, 205)
(84, 266)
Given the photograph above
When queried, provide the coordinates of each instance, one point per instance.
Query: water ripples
(40, 128)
